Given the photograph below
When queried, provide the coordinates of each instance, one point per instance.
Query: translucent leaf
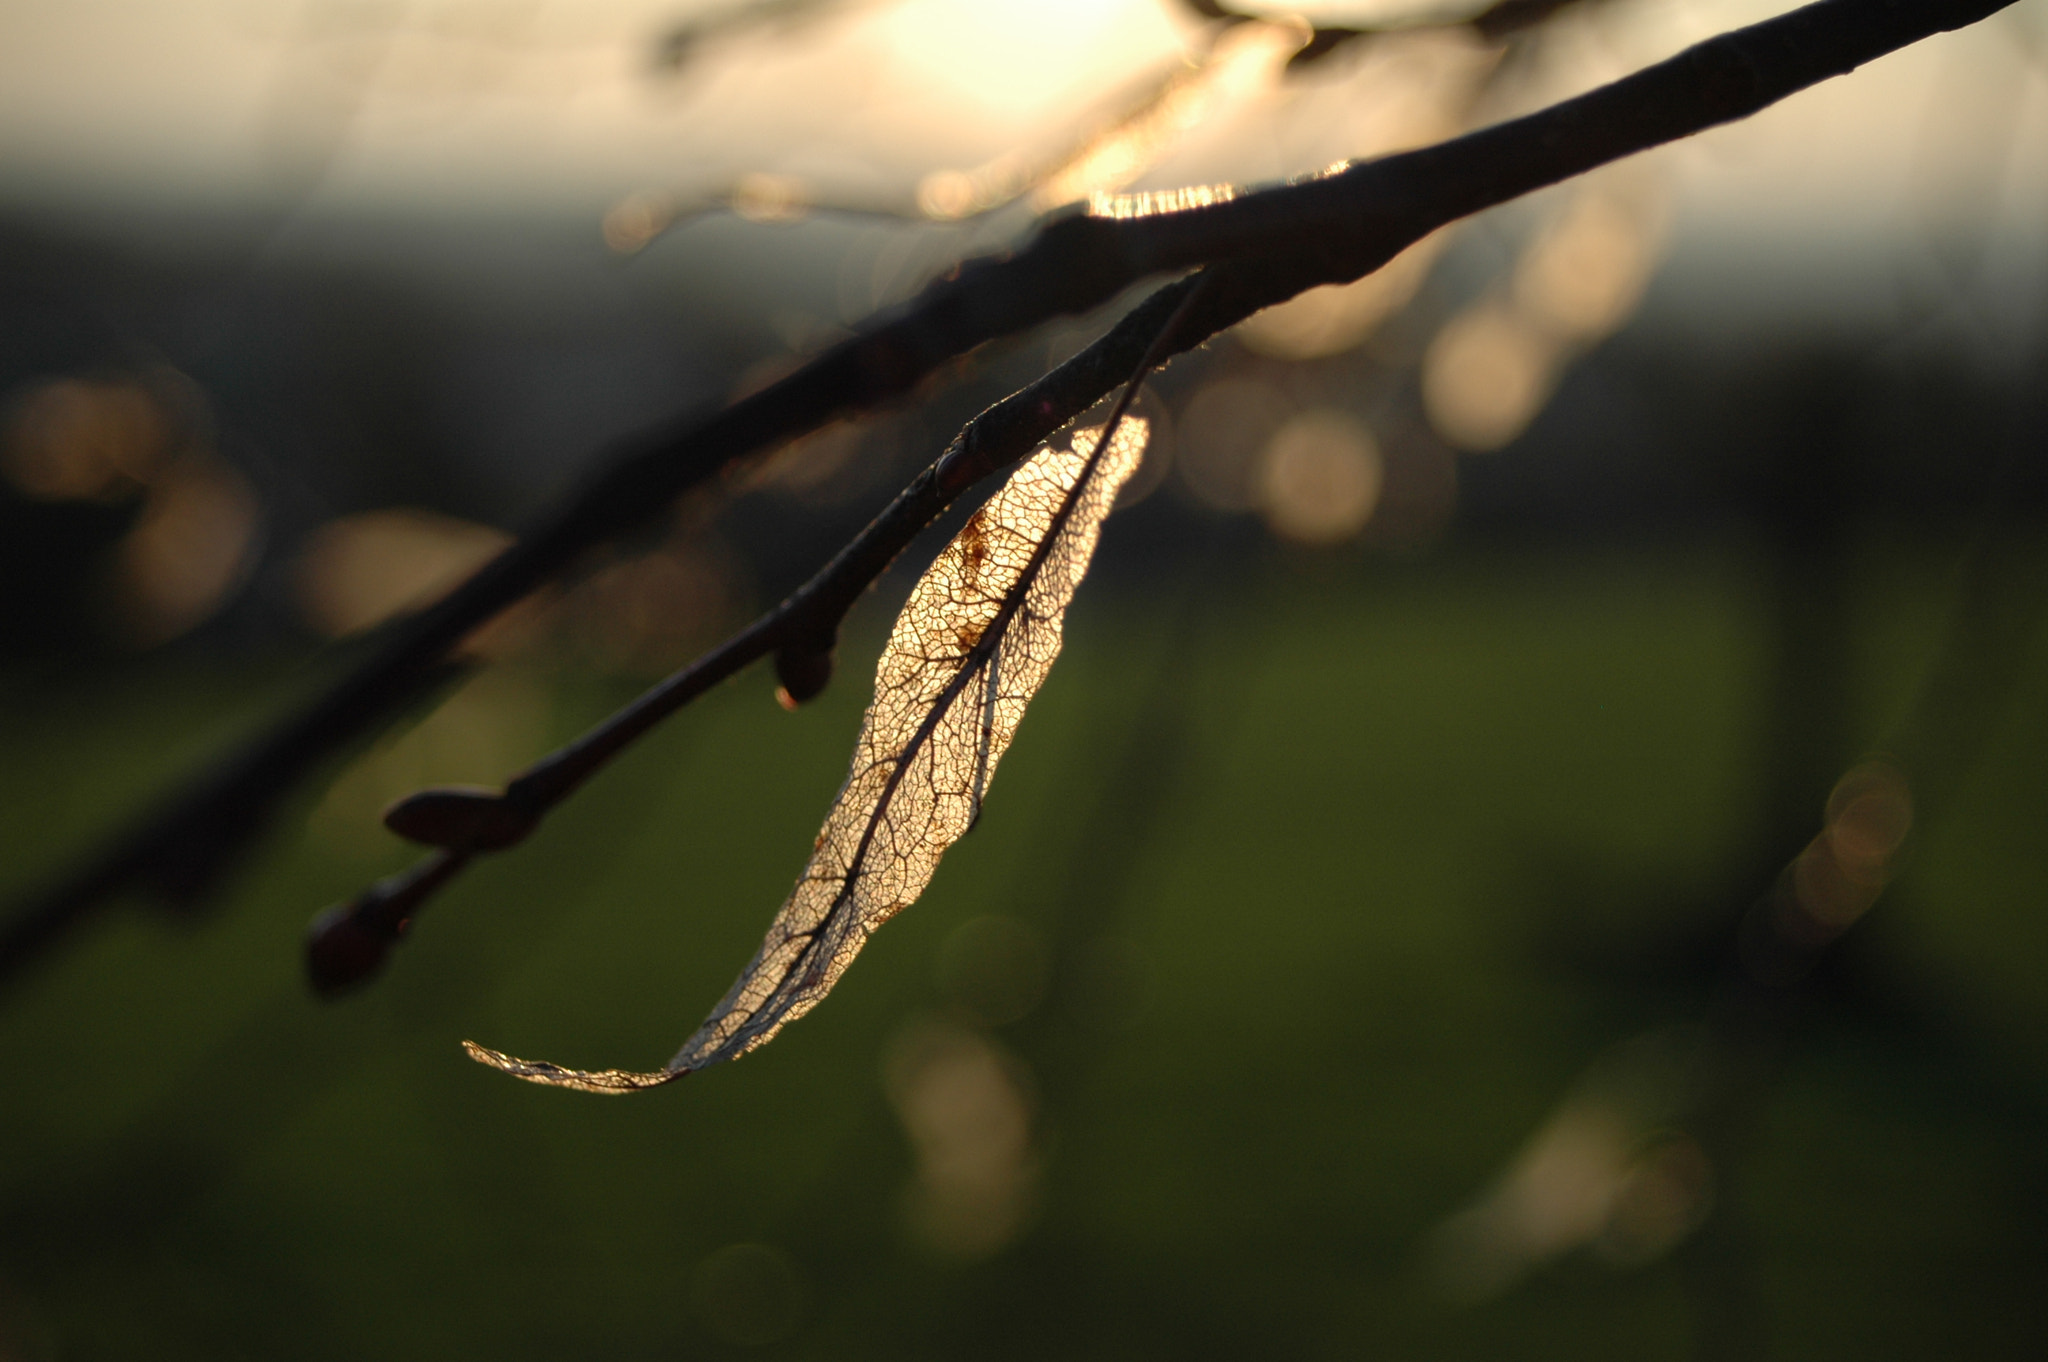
(972, 646)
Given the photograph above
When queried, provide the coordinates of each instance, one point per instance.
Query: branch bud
(460, 818)
(348, 943)
(344, 947)
(803, 672)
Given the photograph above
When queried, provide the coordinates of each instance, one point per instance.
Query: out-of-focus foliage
(1287, 927)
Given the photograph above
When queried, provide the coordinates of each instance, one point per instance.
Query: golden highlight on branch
(1151, 203)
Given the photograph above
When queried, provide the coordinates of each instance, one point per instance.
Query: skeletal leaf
(972, 646)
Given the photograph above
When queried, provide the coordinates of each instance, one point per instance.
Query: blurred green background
(1317, 896)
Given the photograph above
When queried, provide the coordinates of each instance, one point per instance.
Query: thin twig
(1012, 176)
(996, 184)
(1496, 22)
(347, 944)
(1279, 241)
(987, 188)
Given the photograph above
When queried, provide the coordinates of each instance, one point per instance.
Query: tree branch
(346, 944)
(1276, 243)
(1502, 19)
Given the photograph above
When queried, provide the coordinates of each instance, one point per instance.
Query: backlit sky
(426, 105)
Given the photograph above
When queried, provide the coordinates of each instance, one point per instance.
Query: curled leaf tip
(610, 1081)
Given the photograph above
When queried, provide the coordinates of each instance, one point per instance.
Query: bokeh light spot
(1583, 277)
(188, 551)
(1320, 477)
(771, 198)
(966, 1108)
(634, 221)
(360, 570)
(70, 439)
(1222, 430)
(1486, 375)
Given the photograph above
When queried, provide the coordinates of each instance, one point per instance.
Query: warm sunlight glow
(999, 57)
(947, 195)
(1121, 156)
(1411, 89)
(1244, 63)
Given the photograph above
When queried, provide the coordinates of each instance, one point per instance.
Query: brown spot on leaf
(973, 542)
